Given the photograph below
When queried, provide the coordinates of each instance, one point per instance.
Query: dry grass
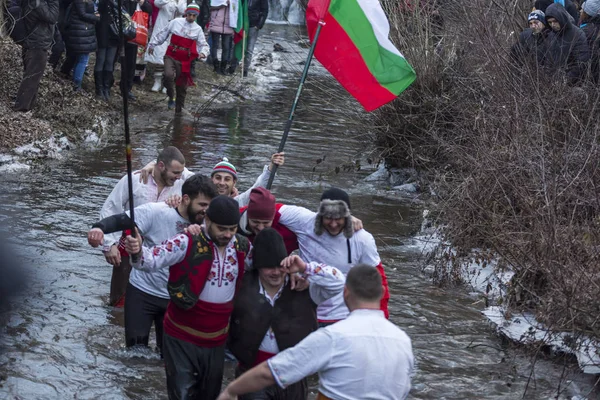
(513, 154)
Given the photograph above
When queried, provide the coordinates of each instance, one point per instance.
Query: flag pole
(124, 95)
(288, 124)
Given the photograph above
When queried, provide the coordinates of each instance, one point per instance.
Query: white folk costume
(202, 283)
(167, 10)
(186, 44)
(117, 203)
(342, 251)
(147, 295)
(362, 357)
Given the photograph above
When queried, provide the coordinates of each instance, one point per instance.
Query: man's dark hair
(199, 184)
(170, 154)
(364, 282)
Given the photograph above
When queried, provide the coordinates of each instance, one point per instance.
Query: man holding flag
(187, 44)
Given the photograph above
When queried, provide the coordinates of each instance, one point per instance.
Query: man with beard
(329, 237)
(205, 271)
(147, 295)
(164, 180)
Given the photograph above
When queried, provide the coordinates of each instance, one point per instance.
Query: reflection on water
(62, 341)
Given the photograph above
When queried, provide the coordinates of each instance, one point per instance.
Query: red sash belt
(262, 356)
(183, 50)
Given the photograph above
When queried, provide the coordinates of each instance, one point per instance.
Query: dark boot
(231, 69)
(216, 65)
(107, 83)
(99, 84)
(222, 67)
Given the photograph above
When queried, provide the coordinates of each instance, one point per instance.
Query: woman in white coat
(168, 10)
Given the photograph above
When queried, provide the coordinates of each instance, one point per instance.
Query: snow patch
(14, 167)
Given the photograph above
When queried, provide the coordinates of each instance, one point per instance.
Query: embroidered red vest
(188, 318)
(183, 50)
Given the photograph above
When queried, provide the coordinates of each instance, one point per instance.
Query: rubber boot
(222, 67)
(99, 85)
(107, 83)
(157, 82)
(216, 65)
(231, 69)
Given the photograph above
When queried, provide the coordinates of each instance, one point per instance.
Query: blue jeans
(81, 62)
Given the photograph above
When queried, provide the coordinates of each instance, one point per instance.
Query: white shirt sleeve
(115, 203)
(181, 6)
(325, 281)
(144, 216)
(248, 263)
(169, 252)
(369, 254)
(306, 358)
(201, 44)
(295, 218)
(161, 36)
(186, 174)
(262, 180)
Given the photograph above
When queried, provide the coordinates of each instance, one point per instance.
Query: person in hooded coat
(567, 4)
(108, 43)
(590, 24)
(568, 50)
(80, 38)
(531, 46)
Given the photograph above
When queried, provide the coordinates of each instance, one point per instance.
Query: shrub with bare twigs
(514, 154)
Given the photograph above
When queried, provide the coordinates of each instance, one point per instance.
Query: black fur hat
(269, 249)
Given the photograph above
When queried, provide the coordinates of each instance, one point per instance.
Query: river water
(62, 341)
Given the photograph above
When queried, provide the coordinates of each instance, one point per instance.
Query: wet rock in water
(279, 48)
(407, 187)
(264, 59)
(382, 174)
(400, 176)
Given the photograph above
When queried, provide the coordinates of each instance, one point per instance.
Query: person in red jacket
(263, 212)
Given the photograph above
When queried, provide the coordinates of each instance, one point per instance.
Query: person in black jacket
(257, 16)
(269, 316)
(590, 24)
(568, 4)
(568, 51)
(40, 17)
(531, 45)
(80, 38)
(129, 56)
(14, 23)
(108, 43)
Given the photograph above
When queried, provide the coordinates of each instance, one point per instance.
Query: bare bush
(513, 153)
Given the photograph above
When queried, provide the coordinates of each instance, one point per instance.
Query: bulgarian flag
(354, 46)
(241, 31)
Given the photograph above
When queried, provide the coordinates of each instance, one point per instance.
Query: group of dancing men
(288, 291)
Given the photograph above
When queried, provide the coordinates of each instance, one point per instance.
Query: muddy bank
(63, 119)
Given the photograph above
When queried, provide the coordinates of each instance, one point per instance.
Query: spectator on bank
(59, 47)
(40, 17)
(167, 10)
(531, 46)
(220, 33)
(108, 43)
(567, 49)
(257, 16)
(128, 62)
(80, 38)
(14, 23)
(590, 24)
(567, 4)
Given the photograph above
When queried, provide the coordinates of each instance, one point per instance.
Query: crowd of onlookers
(562, 38)
(64, 33)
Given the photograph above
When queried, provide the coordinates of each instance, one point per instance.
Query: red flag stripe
(338, 54)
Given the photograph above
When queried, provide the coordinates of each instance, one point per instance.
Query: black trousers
(193, 372)
(34, 63)
(128, 67)
(141, 310)
(297, 391)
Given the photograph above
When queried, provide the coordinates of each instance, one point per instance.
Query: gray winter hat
(335, 203)
(591, 7)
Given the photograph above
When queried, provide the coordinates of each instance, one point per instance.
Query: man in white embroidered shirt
(362, 357)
